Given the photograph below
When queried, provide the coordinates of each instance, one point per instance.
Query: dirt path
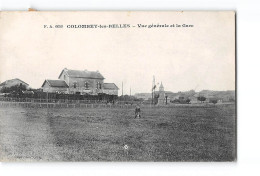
(25, 136)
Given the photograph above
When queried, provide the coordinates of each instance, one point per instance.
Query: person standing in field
(137, 112)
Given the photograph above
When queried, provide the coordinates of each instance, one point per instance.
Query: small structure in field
(162, 97)
(55, 86)
(110, 89)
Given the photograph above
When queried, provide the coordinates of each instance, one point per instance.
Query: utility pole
(152, 93)
(130, 91)
(122, 89)
(153, 84)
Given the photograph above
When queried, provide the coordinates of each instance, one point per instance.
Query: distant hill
(230, 94)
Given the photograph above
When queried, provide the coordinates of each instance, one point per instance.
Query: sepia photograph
(119, 86)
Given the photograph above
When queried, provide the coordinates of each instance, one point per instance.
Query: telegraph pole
(153, 84)
(122, 89)
(152, 93)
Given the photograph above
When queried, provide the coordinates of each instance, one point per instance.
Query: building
(80, 82)
(144, 96)
(194, 99)
(208, 98)
(58, 86)
(162, 97)
(110, 89)
(180, 96)
(13, 82)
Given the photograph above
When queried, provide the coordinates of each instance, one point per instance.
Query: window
(86, 85)
(75, 85)
(99, 85)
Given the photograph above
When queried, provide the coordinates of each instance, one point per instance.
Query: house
(194, 99)
(59, 86)
(180, 96)
(80, 82)
(13, 82)
(110, 89)
(144, 96)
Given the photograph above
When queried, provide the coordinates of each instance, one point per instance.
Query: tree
(156, 97)
(214, 101)
(201, 98)
(17, 89)
(188, 101)
(175, 101)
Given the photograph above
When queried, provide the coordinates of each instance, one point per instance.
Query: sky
(182, 58)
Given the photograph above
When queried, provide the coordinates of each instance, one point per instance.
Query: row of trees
(187, 101)
(17, 89)
(129, 98)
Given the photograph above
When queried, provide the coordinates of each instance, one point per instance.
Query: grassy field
(162, 134)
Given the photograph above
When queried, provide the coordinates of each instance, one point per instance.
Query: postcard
(125, 86)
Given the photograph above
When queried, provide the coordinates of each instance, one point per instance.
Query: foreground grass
(162, 134)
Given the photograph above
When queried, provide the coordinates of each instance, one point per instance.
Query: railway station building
(80, 82)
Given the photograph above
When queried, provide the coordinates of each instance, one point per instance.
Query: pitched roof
(10, 80)
(161, 86)
(83, 74)
(56, 83)
(111, 86)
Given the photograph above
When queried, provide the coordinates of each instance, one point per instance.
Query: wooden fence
(62, 105)
(60, 101)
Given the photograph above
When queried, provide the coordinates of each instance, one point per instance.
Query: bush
(17, 89)
(201, 98)
(214, 101)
